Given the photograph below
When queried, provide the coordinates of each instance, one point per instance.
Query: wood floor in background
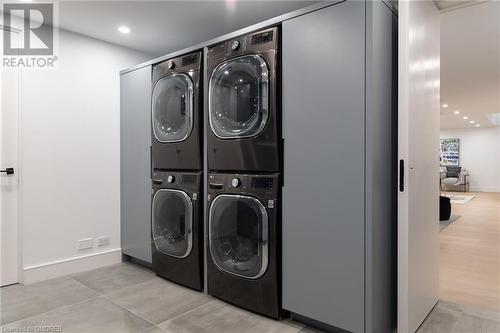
(470, 253)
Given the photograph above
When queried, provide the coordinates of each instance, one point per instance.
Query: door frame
(19, 171)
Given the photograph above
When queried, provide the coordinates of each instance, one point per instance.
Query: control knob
(235, 45)
(170, 65)
(170, 179)
(235, 182)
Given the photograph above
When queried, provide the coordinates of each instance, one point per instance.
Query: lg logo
(36, 25)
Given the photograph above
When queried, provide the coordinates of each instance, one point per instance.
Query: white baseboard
(71, 265)
(484, 189)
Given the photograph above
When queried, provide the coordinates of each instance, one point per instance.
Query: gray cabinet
(135, 177)
(338, 176)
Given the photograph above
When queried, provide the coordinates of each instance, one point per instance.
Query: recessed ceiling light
(124, 29)
(465, 117)
(456, 112)
(472, 121)
(477, 125)
(444, 105)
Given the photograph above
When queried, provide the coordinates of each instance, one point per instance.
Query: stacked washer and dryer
(244, 179)
(306, 228)
(244, 165)
(177, 170)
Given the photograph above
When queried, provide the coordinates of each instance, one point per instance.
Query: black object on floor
(444, 208)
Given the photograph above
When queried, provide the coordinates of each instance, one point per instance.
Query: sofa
(455, 178)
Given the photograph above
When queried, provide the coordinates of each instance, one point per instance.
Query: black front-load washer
(243, 109)
(177, 227)
(176, 114)
(243, 264)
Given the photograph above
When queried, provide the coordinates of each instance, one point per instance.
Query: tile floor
(125, 298)
(450, 317)
(129, 298)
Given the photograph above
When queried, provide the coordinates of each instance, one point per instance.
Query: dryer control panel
(256, 42)
(184, 64)
(257, 185)
(186, 181)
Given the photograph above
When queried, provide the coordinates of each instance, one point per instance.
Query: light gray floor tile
(450, 306)
(22, 301)
(472, 324)
(440, 321)
(95, 315)
(111, 278)
(311, 330)
(154, 329)
(158, 300)
(486, 314)
(218, 317)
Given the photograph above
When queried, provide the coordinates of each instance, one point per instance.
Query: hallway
(470, 254)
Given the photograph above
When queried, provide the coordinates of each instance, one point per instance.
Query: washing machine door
(172, 108)
(238, 235)
(172, 222)
(239, 97)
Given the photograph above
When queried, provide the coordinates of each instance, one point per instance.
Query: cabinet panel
(135, 142)
(324, 165)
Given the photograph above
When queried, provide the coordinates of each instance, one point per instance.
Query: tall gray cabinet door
(135, 135)
(323, 194)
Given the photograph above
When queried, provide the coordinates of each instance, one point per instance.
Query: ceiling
(470, 39)
(162, 27)
(470, 65)
(444, 5)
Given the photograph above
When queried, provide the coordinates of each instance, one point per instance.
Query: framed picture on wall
(450, 152)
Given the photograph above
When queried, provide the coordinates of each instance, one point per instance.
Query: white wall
(70, 156)
(480, 154)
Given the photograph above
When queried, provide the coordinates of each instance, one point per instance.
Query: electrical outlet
(103, 241)
(86, 243)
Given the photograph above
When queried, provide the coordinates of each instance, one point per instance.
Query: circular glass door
(172, 114)
(238, 235)
(172, 222)
(238, 97)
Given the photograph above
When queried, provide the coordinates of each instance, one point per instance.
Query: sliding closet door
(323, 194)
(135, 129)
(418, 211)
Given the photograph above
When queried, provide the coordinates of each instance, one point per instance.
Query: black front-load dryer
(243, 111)
(176, 114)
(243, 264)
(177, 227)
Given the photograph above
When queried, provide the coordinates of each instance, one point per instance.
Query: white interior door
(418, 211)
(9, 183)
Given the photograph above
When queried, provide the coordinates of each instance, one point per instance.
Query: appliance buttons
(170, 179)
(235, 45)
(235, 182)
(170, 65)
